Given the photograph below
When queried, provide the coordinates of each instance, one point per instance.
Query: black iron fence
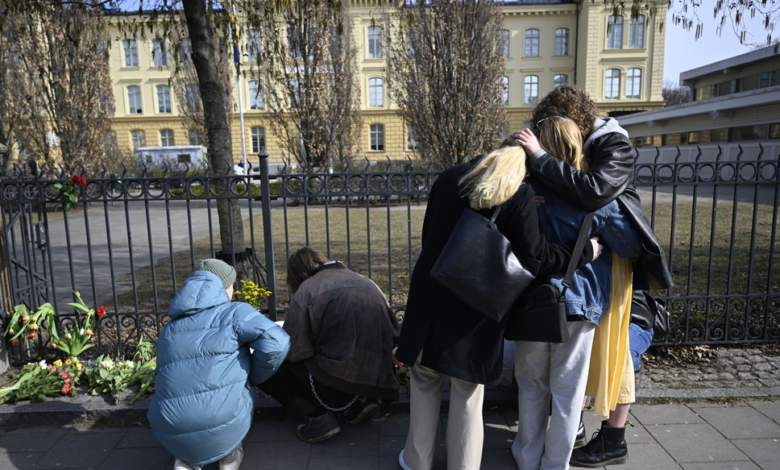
(129, 243)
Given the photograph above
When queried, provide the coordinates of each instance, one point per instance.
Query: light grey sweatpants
(551, 370)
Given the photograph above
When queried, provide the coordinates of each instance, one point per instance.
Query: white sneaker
(232, 460)
(181, 465)
(402, 463)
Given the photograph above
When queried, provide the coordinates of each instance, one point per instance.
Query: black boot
(363, 410)
(582, 437)
(608, 447)
(318, 428)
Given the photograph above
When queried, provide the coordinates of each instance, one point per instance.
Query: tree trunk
(220, 149)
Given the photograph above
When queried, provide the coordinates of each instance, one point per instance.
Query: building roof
(729, 65)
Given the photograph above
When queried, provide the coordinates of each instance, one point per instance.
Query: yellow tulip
(57, 363)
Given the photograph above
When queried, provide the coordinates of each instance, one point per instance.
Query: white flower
(107, 364)
(42, 364)
(81, 332)
(128, 363)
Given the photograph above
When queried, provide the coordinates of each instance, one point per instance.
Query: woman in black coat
(441, 335)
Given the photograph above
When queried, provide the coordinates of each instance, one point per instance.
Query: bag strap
(492, 222)
(582, 238)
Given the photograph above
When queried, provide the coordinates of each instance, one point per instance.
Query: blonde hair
(495, 178)
(562, 138)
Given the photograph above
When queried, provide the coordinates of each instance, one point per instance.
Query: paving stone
(695, 443)
(746, 376)
(288, 455)
(772, 358)
(755, 358)
(31, 440)
(139, 437)
(739, 423)
(650, 415)
(726, 376)
(391, 447)
(648, 457)
(705, 393)
(763, 366)
(770, 409)
(776, 365)
(772, 391)
(367, 462)
(723, 352)
(498, 459)
(657, 377)
(739, 352)
(273, 430)
(740, 360)
(764, 375)
(770, 382)
(725, 361)
(351, 441)
(47, 413)
(740, 465)
(744, 368)
(497, 433)
(694, 378)
(71, 450)
(16, 460)
(153, 458)
(711, 377)
(750, 352)
(764, 452)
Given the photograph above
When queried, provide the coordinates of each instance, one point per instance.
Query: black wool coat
(456, 340)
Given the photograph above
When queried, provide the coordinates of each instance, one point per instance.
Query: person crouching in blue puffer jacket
(204, 399)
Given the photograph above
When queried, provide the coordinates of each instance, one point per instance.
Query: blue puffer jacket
(203, 403)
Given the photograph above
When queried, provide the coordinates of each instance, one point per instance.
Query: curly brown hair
(570, 102)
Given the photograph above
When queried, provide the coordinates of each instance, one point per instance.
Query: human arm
(269, 342)
(531, 244)
(297, 323)
(611, 170)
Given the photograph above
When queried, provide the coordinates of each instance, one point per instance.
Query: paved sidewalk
(705, 436)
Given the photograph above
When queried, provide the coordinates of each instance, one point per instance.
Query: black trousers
(290, 386)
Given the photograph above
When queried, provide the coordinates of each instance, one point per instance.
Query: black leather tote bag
(540, 313)
(478, 266)
(648, 312)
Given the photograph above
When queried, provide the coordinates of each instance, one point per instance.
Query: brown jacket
(340, 323)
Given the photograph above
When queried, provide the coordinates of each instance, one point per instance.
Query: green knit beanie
(225, 272)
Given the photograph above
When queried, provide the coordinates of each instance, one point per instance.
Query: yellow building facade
(619, 63)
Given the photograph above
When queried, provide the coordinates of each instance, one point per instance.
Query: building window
(714, 135)
(253, 44)
(184, 158)
(741, 134)
(562, 41)
(255, 95)
(166, 138)
(159, 53)
(633, 83)
(774, 131)
(139, 139)
(375, 93)
(532, 43)
(531, 89)
(295, 94)
(636, 32)
(505, 92)
(766, 79)
(561, 80)
(374, 42)
(377, 138)
(131, 53)
(411, 142)
(612, 85)
(163, 99)
(186, 51)
(134, 99)
(258, 139)
(506, 42)
(196, 138)
(675, 139)
(693, 137)
(193, 98)
(615, 33)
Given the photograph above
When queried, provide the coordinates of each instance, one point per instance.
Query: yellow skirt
(611, 376)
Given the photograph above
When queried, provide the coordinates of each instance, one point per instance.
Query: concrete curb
(90, 411)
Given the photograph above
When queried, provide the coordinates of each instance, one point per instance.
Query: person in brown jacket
(342, 333)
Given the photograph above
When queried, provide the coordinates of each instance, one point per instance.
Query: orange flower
(15, 342)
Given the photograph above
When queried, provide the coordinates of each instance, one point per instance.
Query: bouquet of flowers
(251, 293)
(36, 381)
(113, 376)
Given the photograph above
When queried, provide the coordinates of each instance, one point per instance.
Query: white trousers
(464, 425)
(546, 371)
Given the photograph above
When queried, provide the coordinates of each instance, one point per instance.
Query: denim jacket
(588, 296)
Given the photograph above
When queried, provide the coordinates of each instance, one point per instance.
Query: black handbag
(540, 313)
(478, 266)
(647, 312)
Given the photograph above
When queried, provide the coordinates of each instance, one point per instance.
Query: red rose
(66, 389)
(101, 311)
(79, 180)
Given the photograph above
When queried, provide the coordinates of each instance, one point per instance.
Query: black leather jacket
(611, 160)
